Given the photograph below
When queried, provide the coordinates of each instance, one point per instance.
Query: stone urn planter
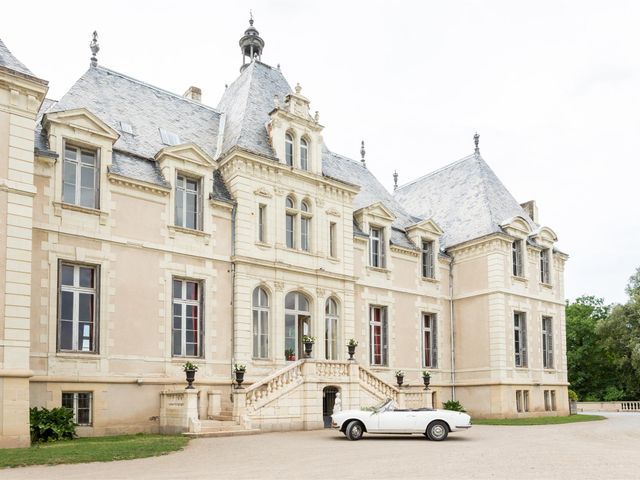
(308, 345)
(238, 370)
(399, 377)
(190, 370)
(426, 378)
(351, 349)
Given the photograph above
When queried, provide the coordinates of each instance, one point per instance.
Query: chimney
(532, 209)
(193, 93)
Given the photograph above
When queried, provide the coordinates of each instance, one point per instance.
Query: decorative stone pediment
(516, 227)
(187, 152)
(83, 120)
(378, 211)
(428, 226)
(545, 236)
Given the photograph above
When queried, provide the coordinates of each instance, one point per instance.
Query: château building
(140, 229)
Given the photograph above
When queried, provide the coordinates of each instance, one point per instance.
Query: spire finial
(95, 48)
(251, 17)
(395, 180)
(362, 152)
(476, 140)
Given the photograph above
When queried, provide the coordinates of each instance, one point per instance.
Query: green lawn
(97, 449)
(538, 420)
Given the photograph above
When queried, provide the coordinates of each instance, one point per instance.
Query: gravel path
(594, 450)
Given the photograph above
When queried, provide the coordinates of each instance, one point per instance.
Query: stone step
(221, 417)
(222, 433)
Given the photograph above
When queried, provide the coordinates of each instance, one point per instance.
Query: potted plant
(290, 354)
(308, 344)
(351, 348)
(426, 378)
(190, 369)
(238, 370)
(399, 377)
(573, 403)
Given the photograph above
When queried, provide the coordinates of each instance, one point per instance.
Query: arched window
(290, 223)
(297, 323)
(331, 318)
(304, 154)
(305, 226)
(288, 149)
(260, 323)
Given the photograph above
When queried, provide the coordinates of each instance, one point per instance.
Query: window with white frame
(188, 202)
(81, 177)
(260, 323)
(378, 335)
(80, 403)
(516, 256)
(290, 223)
(429, 340)
(544, 266)
(520, 338)
(288, 149)
(77, 308)
(333, 240)
(331, 329)
(187, 318)
(376, 247)
(262, 223)
(304, 154)
(547, 342)
(428, 270)
(305, 226)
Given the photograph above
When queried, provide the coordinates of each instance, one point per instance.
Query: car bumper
(463, 427)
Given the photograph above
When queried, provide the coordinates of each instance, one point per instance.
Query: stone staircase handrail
(370, 379)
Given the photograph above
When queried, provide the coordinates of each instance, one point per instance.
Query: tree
(588, 363)
(620, 333)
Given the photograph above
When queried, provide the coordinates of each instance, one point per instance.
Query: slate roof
(465, 198)
(246, 104)
(41, 139)
(132, 166)
(114, 98)
(9, 61)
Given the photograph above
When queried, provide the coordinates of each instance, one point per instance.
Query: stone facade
(287, 239)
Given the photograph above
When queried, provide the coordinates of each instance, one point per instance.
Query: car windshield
(381, 406)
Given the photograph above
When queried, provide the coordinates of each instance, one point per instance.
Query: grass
(538, 420)
(95, 449)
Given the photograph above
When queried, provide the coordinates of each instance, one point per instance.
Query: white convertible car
(387, 418)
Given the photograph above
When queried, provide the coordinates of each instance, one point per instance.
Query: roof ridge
(162, 90)
(452, 164)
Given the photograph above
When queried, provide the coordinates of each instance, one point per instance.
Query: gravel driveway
(607, 449)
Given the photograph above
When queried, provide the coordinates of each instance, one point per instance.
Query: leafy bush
(613, 394)
(50, 425)
(454, 405)
(573, 396)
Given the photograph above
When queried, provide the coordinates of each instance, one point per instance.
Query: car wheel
(437, 431)
(354, 430)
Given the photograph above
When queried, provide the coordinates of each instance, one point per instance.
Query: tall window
(376, 247)
(80, 171)
(290, 232)
(544, 266)
(80, 404)
(333, 240)
(260, 323)
(378, 335)
(297, 322)
(304, 154)
(520, 339)
(262, 223)
(187, 318)
(519, 401)
(305, 226)
(288, 149)
(547, 342)
(427, 259)
(77, 302)
(516, 251)
(188, 201)
(429, 340)
(331, 329)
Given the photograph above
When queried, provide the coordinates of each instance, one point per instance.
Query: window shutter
(383, 245)
(434, 341)
(523, 340)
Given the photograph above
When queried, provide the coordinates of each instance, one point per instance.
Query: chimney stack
(532, 209)
(193, 93)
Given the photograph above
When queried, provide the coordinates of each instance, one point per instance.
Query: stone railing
(627, 406)
(271, 387)
(630, 406)
(329, 368)
(370, 380)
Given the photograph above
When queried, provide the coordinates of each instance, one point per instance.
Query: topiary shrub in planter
(50, 425)
(454, 405)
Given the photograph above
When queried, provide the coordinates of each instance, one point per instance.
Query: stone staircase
(219, 428)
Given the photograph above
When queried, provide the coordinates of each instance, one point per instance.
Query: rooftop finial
(251, 17)
(298, 88)
(395, 180)
(95, 48)
(251, 44)
(362, 152)
(476, 140)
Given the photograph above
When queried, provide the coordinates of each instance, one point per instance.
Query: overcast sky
(551, 86)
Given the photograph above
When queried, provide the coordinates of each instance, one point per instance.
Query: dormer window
(288, 149)
(516, 258)
(188, 202)
(544, 266)
(376, 247)
(427, 259)
(304, 154)
(80, 183)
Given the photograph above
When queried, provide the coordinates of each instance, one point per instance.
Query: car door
(397, 421)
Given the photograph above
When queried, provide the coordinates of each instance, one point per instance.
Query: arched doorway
(297, 322)
(328, 402)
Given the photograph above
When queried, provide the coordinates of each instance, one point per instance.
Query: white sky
(551, 86)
